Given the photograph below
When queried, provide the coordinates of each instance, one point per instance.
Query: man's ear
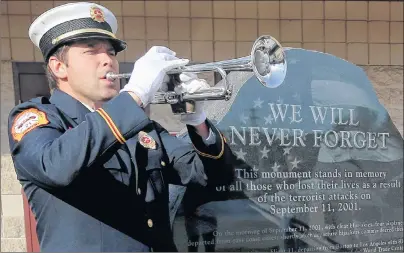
(58, 67)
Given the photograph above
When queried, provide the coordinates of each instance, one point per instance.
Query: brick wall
(366, 33)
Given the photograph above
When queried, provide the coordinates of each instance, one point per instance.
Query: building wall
(369, 34)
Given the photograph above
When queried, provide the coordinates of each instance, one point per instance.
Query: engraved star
(294, 163)
(275, 167)
(268, 120)
(243, 118)
(258, 103)
(264, 152)
(286, 151)
(240, 154)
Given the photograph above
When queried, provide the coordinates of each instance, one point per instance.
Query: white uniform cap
(71, 22)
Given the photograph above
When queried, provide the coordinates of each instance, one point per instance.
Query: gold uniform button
(163, 163)
(150, 223)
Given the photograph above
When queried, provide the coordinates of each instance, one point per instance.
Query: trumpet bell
(268, 61)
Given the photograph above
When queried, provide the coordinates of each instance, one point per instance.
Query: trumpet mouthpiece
(110, 76)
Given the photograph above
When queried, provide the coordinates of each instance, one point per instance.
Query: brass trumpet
(267, 60)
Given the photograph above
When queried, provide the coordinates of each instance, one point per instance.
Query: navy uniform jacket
(92, 182)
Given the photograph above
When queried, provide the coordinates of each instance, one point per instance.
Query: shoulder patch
(26, 121)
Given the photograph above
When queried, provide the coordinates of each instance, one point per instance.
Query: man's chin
(108, 95)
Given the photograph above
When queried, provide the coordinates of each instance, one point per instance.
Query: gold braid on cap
(80, 31)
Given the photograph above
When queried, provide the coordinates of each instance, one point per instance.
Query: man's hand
(190, 83)
(150, 71)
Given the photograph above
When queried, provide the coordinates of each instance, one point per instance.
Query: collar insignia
(146, 140)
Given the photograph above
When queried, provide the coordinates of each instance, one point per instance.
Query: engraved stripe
(111, 125)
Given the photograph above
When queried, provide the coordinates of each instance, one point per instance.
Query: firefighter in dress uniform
(94, 167)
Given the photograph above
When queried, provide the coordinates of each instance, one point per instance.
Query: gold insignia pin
(146, 140)
(97, 14)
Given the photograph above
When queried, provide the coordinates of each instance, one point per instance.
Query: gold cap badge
(97, 14)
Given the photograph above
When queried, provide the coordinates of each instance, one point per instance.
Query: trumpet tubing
(267, 61)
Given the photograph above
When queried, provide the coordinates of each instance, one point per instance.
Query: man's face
(88, 63)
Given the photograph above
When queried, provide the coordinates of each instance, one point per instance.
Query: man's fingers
(166, 79)
(193, 88)
(164, 85)
(194, 85)
(187, 76)
(167, 57)
(175, 64)
(178, 89)
(161, 49)
(199, 84)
